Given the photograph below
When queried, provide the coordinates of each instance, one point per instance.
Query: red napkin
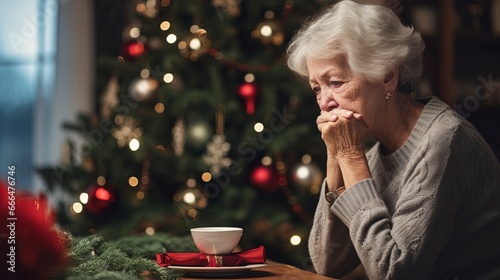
(252, 256)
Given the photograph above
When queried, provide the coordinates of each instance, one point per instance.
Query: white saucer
(217, 271)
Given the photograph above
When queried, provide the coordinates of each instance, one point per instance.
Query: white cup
(216, 240)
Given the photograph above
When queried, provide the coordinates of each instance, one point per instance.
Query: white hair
(371, 37)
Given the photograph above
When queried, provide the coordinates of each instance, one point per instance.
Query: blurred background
(146, 116)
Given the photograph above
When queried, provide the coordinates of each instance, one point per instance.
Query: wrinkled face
(336, 87)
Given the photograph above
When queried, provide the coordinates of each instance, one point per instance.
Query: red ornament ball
(248, 92)
(100, 198)
(264, 178)
(133, 50)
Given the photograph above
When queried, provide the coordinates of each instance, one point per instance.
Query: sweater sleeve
(406, 243)
(330, 247)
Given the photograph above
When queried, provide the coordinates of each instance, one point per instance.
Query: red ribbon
(252, 256)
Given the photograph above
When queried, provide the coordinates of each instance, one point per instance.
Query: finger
(320, 127)
(326, 118)
(342, 112)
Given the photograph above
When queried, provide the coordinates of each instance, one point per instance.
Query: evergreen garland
(131, 257)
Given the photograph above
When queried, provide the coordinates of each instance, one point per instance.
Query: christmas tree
(198, 123)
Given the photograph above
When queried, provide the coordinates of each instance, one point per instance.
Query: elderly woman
(424, 201)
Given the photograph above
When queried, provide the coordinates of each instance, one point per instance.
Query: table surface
(273, 271)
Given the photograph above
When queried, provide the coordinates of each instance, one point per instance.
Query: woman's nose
(325, 101)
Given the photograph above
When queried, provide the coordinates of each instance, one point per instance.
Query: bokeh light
(84, 198)
(295, 240)
(77, 207)
(134, 145)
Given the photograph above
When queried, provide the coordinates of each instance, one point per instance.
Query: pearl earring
(388, 95)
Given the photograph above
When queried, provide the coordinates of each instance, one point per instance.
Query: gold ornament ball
(143, 89)
(305, 176)
(198, 134)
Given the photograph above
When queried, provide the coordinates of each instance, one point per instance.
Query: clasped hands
(343, 132)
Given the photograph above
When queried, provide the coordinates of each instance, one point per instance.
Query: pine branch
(126, 258)
(148, 246)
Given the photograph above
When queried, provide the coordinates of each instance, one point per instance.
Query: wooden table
(273, 271)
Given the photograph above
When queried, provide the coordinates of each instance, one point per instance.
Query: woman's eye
(316, 90)
(336, 83)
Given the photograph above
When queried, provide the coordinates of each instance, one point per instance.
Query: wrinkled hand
(343, 132)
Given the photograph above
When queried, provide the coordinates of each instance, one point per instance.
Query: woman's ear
(391, 78)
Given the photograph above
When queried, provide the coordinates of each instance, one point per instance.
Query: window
(27, 76)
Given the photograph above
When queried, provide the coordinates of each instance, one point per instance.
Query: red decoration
(32, 248)
(265, 178)
(252, 256)
(133, 50)
(249, 92)
(100, 198)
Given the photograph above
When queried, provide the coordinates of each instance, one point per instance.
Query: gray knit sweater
(431, 210)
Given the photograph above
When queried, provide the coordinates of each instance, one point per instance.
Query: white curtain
(74, 82)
